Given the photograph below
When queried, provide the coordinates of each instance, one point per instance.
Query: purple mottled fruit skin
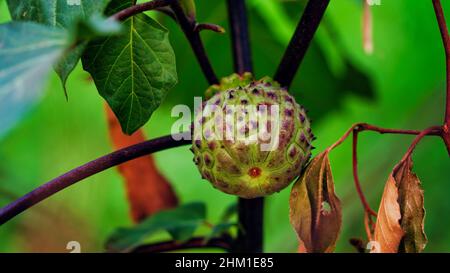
(241, 168)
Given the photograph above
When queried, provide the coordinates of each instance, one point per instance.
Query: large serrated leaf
(27, 53)
(58, 13)
(180, 222)
(133, 72)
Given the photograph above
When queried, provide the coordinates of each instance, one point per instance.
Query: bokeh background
(401, 85)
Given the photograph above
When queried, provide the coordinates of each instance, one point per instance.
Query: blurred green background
(400, 86)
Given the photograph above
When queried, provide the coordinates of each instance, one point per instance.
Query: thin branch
(367, 127)
(359, 190)
(225, 242)
(206, 26)
(237, 14)
(136, 9)
(86, 170)
(299, 44)
(446, 41)
(360, 127)
(193, 36)
(416, 141)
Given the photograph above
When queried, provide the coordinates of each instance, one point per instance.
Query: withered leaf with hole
(315, 210)
(400, 221)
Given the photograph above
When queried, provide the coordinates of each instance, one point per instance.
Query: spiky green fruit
(247, 167)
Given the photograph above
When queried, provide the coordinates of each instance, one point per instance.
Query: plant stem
(225, 242)
(188, 26)
(359, 190)
(360, 127)
(237, 14)
(136, 9)
(418, 138)
(446, 41)
(86, 170)
(299, 44)
(250, 211)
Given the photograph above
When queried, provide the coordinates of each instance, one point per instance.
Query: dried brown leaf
(412, 210)
(147, 189)
(315, 210)
(400, 221)
(388, 232)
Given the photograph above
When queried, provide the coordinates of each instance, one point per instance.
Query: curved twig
(136, 9)
(193, 36)
(359, 190)
(86, 170)
(446, 41)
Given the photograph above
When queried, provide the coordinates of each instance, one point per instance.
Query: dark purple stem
(240, 38)
(189, 28)
(136, 9)
(299, 44)
(250, 211)
(86, 170)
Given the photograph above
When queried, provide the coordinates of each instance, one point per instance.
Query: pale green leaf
(27, 53)
(58, 13)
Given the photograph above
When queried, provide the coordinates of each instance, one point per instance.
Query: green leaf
(180, 222)
(224, 225)
(220, 229)
(58, 13)
(229, 212)
(27, 53)
(133, 72)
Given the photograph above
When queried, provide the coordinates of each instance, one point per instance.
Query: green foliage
(225, 223)
(407, 94)
(58, 13)
(27, 53)
(180, 222)
(133, 72)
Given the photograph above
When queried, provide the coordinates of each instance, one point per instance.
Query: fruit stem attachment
(237, 13)
(98, 165)
(250, 211)
(446, 41)
(299, 44)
